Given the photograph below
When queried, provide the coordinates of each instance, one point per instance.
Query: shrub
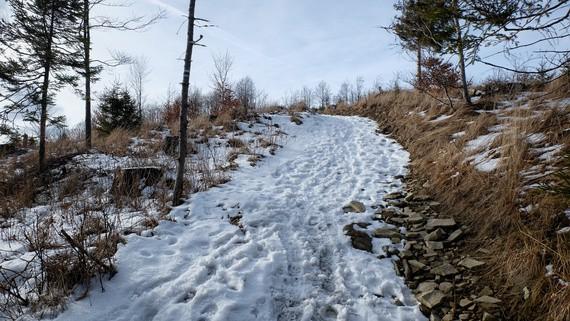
(438, 76)
(117, 110)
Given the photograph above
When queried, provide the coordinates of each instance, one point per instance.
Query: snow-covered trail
(291, 261)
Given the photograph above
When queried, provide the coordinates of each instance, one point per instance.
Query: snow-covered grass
(40, 267)
(269, 244)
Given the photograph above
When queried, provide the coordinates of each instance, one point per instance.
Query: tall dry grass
(521, 245)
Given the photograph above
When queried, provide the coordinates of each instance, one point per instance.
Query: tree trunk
(179, 185)
(87, 67)
(419, 65)
(461, 55)
(45, 95)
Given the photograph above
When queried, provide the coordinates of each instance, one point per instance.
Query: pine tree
(37, 50)
(117, 109)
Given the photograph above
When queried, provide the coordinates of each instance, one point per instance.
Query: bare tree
(139, 71)
(246, 94)
(307, 96)
(343, 95)
(323, 94)
(183, 149)
(358, 88)
(221, 80)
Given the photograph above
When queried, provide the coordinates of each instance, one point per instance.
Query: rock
(455, 235)
(360, 240)
(487, 317)
(486, 291)
(471, 263)
(465, 303)
(487, 300)
(434, 245)
(386, 233)
(427, 286)
(354, 207)
(446, 287)
(464, 316)
(416, 265)
(448, 317)
(431, 299)
(387, 213)
(128, 181)
(414, 235)
(393, 196)
(444, 270)
(416, 219)
(526, 293)
(436, 235)
(440, 222)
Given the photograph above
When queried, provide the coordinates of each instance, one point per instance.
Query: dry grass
(521, 245)
(116, 143)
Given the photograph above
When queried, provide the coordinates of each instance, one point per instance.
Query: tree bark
(87, 67)
(183, 149)
(45, 94)
(461, 55)
(419, 65)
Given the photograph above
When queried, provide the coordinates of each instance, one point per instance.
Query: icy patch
(441, 118)
(458, 135)
(481, 142)
(547, 154)
(485, 161)
(536, 138)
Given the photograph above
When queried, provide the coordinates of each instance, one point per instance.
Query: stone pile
(445, 282)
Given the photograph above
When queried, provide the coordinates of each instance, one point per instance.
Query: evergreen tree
(37, 50)
(117, 109)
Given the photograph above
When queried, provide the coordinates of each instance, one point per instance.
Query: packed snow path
(290, 261)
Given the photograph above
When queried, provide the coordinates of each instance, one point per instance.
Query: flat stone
(434, 245)
(431, 299)
(393, 196)
(465, 303)
(440, 222)
(414, 235)
(455, 235)
(446, 287)
(416, 265)
(386, 233)
(464, 316)
(487, 300)
(416, 219)
(436, 235)
(360, 240)
(486, 291)
(444, 270)
(471, 263)
(427, 286)
(354, 207)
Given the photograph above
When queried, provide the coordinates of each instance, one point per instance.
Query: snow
(536, 138)
(481, 142)
(547, 154)
(4, 139)
(441, 118)
(289, 261)
(458, 135)
(486, 161)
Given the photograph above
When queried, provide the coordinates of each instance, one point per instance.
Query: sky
(282, 45)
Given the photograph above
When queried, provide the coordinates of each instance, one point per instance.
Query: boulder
(354, 207)
(487, 300)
